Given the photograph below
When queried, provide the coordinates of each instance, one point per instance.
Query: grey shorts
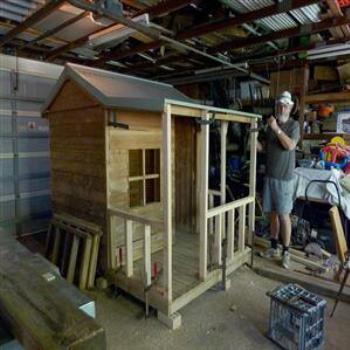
(278, 195)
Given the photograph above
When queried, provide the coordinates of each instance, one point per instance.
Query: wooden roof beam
(290, 51)
(36, 17)
(307, 29)
(282, 7)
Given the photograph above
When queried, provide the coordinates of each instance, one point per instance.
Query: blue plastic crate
(296, 318)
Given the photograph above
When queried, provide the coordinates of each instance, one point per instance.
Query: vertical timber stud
(218, 238)
(144, 174)
(111, 226)
(167, 198)
(129, 258)
(203, 199)
(252, 178)
(147, 255)
(224, 126)
(223, 134)
(230, 234)
(241, 226)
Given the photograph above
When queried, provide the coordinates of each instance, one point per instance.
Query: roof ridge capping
(75, 67)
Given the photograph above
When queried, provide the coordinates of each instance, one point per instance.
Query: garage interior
(132, 206)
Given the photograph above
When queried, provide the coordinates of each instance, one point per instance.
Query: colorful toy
(335, 155)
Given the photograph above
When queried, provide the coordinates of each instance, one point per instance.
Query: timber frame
(132, 157)
(218, 221)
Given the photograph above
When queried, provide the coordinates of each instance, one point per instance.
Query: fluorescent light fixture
(329, 54)
(328, 51)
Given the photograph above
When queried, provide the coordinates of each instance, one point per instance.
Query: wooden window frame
(144, 177)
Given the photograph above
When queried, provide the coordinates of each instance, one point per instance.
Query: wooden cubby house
(132, 156)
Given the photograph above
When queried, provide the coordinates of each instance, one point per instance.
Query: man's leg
(286, 231)
(274, 225)
(274, 229)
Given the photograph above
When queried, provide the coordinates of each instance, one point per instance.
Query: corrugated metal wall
(24, 144)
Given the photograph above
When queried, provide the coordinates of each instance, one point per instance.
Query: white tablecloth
(322, 191)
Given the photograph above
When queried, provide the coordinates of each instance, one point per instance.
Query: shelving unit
(333, 97)
(326, 136)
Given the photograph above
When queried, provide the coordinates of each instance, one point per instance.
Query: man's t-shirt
(280, 163)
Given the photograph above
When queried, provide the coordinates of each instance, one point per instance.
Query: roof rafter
(282, 7)
(306, 29)
(154, 11)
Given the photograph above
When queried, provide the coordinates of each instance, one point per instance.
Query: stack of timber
(35, 310)
(73, 245)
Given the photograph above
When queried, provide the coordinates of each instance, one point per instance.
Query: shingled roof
(114, 90)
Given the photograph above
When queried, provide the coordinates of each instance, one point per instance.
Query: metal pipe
(157, 36)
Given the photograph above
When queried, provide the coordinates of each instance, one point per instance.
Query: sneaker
(270, 253)
(286, 260)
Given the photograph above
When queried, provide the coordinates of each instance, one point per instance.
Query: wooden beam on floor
(35, 308)
(313, 284)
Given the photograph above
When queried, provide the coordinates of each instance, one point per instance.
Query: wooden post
(218, 238)
(129, 258)
(224, 126)
(143, 175)
(222, 233)
(211, 220)
(230, 234)
(303, 93)
(252, 179)
(241, 225)
(147, 255)
(167, 201)
(111, 224)
(203, 176)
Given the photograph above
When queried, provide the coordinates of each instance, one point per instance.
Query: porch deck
(185, 274)
(185, 264)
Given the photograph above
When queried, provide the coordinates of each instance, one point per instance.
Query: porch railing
(129, 220)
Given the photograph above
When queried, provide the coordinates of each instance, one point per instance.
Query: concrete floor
(236, 319)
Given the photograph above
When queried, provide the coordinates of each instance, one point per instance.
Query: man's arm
(260, 146)
(288, 143)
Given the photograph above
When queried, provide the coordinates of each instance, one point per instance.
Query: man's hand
(284, 139)
(272, 122)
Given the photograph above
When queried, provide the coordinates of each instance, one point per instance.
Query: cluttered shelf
(333, 97)
(326, 136)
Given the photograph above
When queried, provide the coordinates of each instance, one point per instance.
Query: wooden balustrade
(221, 223)
(129, 220)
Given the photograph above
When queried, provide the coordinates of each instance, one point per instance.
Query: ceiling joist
(211, 27)
(306, 29)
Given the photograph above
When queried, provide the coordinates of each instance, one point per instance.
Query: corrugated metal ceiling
(17, 10)
(277, 22)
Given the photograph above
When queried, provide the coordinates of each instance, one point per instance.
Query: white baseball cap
(285, 98)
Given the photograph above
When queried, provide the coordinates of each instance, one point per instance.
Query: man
(282, 137)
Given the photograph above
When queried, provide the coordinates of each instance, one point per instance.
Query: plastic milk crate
(296, 318)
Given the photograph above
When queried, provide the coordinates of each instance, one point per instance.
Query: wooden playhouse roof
(114, 90)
